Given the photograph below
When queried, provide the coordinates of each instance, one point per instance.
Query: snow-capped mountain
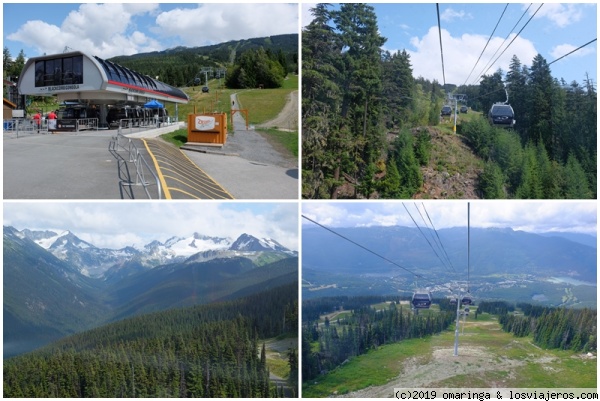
(247, 242)
(178, 247)
(95, 262)
(89, 259)
(260, 251)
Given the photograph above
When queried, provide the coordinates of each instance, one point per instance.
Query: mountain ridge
(46, 297)
(97, 262)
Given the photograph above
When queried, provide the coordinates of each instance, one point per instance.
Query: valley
(505, 264)
(57, 284)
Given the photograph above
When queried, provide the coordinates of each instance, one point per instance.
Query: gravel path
(250, 145)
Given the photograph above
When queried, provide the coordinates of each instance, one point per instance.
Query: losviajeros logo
(204, 123)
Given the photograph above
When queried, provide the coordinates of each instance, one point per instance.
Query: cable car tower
(465, 299)
(457, 98)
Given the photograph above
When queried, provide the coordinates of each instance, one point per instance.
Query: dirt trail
(287, 120)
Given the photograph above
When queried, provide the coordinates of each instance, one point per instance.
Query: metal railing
(29, 126)
(24, 126)
(86, 123)
(134, 158)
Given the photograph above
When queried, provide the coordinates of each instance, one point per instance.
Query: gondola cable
(437, 5)
(366, 249)
(516, 36)
(573, 51)
(439, 239)
(502, 44)
(435, 238)
(424, 236)
(488, 42)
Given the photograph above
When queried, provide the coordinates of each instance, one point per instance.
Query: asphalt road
(80, 165)
(60, 166)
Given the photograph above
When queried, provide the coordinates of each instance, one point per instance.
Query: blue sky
(555, 30)
(530, 216)
(112, 29)
(119, 224)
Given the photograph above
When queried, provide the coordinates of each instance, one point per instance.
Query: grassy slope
(262, 105)
(488, 357)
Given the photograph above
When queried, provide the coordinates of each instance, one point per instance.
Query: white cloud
(116, 225)
(111, 29)
(215, 23)
(104, 30)
(461, 53)
(561, 15)
(549, 216)
(450, 15)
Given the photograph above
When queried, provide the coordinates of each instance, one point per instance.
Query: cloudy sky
(112, 29)
(555, 30)
(530, 216)
(119, 224)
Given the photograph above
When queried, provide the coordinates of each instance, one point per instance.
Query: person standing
(37, 119)
(52, 121)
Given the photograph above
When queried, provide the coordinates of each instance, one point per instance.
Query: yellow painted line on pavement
(163, 183)
(181, 175)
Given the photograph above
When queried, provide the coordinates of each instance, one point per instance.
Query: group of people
(37, 118)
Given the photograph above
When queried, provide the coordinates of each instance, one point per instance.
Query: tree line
(354, 94)
(561, 328)
(327, 345)
(203, 351)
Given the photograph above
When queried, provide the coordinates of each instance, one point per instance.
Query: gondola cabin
(467, 300)
(502, 115)
(421, 300)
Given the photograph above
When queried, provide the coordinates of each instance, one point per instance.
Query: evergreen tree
(491, 182)
(398, 89)
(361, 87)
(576, 184)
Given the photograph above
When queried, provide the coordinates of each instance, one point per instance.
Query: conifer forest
(207, 351)
(366, 119)
(362, 329)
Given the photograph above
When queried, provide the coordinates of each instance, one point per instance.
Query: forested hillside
(562, 328)
(202, 351)
(361, 106)
(264, 61)
(328, 344)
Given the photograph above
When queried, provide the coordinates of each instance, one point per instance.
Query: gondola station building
(93, 84)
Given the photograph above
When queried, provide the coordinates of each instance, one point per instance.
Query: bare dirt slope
(452, 170)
